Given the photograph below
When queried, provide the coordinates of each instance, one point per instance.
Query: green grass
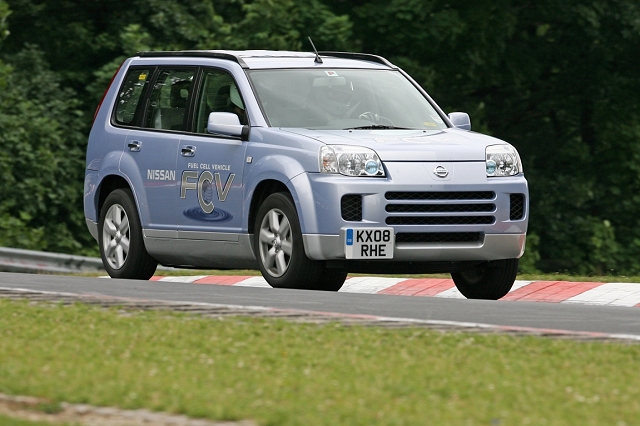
(580, 278)
(281, 373)
(8, 421)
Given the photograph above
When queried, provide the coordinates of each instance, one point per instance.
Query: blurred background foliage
(557, 79)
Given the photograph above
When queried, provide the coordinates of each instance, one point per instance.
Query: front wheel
(280, 251)
(331, 280)
(491, 280)
(120, 237)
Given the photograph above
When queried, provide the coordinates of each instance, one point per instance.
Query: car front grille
(438, 237)
(441, 195)
(441, 208)
(438, 220)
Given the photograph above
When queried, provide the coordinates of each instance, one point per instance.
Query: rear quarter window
(129, 96)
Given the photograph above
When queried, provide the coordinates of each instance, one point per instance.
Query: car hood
(410, 145)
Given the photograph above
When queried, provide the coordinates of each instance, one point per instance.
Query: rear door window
(130, 94)
(169, 100)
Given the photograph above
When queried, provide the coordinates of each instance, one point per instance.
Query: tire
(120, 238)
(491, 280)
(278, 246)
(331, 280)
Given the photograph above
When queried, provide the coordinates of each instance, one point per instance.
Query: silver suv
(306, 166)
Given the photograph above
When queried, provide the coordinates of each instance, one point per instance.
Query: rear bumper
(93, 228)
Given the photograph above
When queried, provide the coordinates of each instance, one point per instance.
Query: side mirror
(226, 123)
(460, 120)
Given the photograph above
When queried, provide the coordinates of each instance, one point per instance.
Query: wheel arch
(260, 193)
(120, 260)
(109, 184)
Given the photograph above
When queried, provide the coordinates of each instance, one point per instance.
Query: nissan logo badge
(441, 172)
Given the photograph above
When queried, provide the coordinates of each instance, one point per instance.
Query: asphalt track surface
(609, 320)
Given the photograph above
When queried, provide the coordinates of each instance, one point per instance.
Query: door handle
(188, 151)
(134, 146)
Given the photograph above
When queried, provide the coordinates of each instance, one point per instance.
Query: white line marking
(369, 284)
(615, 294)
(519, 284)
(452, 293)
(182, 279)
(253, 282)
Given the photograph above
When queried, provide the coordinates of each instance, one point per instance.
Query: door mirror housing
(227, 123)
(460, 120)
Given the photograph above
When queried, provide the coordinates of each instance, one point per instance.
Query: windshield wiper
(378, 127)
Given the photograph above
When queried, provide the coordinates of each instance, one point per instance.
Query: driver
(333, 97)
(336, 100)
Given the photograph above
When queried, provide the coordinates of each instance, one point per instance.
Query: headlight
(350, 161)
(502, 160)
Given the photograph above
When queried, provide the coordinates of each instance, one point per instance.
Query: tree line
(557, 79)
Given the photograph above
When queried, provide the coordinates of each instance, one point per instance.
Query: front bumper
(418, 205)
(492, 247)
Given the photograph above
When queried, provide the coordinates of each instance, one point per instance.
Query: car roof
(265, 59)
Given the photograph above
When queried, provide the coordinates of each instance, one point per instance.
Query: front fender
(282, 169)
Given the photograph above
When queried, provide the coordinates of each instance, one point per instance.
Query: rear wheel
(280, 251)
(120, 238)
(491, 280)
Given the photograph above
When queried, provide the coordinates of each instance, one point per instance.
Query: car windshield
(343, 99)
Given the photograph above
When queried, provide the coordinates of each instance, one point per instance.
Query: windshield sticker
(331, 73)
(142, 76)
(430, 124)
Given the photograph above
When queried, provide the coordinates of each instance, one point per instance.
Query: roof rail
(360, 56)
(194, 53)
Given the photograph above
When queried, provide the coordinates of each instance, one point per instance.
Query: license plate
(369, 243)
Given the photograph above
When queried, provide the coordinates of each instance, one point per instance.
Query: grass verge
(8, 421)
(281, 373)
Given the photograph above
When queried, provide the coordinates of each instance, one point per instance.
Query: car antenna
(318, 60)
